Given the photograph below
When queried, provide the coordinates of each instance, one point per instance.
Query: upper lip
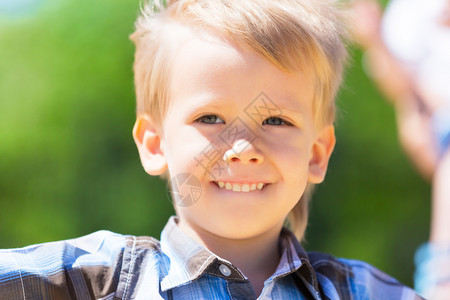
(239, 181)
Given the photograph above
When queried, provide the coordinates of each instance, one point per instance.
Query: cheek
(186, 149)
(292, 157)
(292, 151)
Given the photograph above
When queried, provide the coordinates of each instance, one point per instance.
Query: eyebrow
(297, 116)
(219, 103)
(204, 103)
(290, 110)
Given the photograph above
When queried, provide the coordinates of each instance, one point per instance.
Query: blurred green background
(69, 166)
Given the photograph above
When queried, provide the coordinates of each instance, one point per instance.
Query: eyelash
(202, 118)
(283, 122)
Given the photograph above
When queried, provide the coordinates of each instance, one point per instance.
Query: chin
(237, 229)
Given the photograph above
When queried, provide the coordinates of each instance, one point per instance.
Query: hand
(366, 22)
(445, 19)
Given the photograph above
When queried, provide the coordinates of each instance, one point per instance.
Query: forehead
(208, 64)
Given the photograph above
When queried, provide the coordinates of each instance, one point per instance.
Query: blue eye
(210, 119)
(276, 121)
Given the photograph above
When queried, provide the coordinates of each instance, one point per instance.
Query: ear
(320, 154)
(148, 142)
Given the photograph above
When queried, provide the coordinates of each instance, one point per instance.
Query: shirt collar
(295, 260)
(188, 260)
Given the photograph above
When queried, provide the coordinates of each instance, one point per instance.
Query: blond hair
(294, 35)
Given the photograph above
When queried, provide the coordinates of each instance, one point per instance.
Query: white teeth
(236, 187)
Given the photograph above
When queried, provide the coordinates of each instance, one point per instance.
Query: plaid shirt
(106, 265)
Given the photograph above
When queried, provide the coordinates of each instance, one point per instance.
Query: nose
(243, 152)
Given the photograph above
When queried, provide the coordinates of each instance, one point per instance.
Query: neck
(257, 257)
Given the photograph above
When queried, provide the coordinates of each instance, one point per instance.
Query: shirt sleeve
(370, 283)
(82, 268)
(432, 269)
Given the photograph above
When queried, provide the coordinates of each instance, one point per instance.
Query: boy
(235, 103)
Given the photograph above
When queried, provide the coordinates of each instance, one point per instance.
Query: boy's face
(236, 120)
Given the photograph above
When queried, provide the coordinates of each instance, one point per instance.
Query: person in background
(407, 54)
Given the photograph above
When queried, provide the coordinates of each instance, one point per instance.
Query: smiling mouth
(240, 187)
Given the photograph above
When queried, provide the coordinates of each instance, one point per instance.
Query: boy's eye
(275, 121)
(210, 119)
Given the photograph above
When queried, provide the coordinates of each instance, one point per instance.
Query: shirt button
(224, 270)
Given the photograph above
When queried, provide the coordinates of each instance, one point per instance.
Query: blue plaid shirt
(106, 265)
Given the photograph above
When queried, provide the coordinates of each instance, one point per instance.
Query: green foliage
(372, 206)
(69, 166)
